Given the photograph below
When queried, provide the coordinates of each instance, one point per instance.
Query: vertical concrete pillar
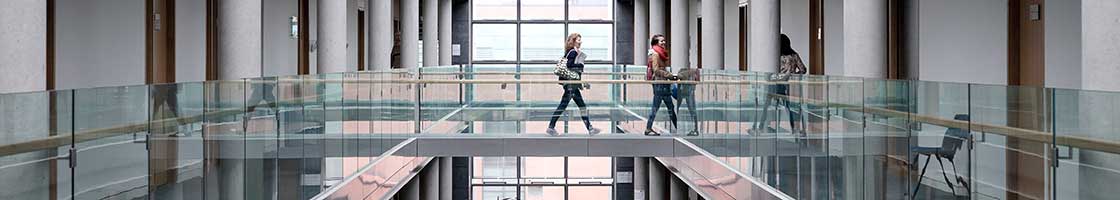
(731, 35)
(711, 12)
(679, 39)
(239, 39)
(445, 178)
(381, 34)
(641, 31)
(23, 47)
(657, 17)
(764, 35)
(411, 190)
(444, 32)
(430, 181)
(865, 38)
(658, 180)
(1100, 32)
(641, 177)
(410, 33)
(331, 43)
(431, 32)
(677, 189)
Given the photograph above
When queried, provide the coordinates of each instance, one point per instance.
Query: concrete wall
(23, 27)
(281, 52)
(190, 40)
(963, 41)
(834, 38)
(795, 24)
(99, 43)
(1063, 43)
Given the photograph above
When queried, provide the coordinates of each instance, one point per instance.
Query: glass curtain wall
(533, 31)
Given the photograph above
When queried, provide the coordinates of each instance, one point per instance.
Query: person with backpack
(574, 57)
(657, 70)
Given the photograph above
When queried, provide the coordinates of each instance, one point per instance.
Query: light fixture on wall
(294, 22)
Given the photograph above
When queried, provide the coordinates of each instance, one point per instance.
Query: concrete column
(641, 31)
(411, 190)
(381, 34)
(641, 177)
(410, 33)
(658, 180)
(764, 36)
(444, 32)
(445, 178)
(657, 18)
(23, 42)
(239, 39)
(711, 12)
(731, 35)
(430, 181)
(679, 40)
(331, 43)
(431, 32)
(865, 38)
(1100, 32)
(23, 47)
(677, 189)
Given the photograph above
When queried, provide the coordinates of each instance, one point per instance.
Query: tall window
(533, 31)
(545, 178)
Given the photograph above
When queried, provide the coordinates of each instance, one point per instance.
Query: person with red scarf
(657, 70)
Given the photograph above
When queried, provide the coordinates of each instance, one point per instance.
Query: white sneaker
(593, 131)
(552, 132)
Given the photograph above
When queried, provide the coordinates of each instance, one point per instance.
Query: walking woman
(575, 58)
(687, 92)
(790, 64)
(656, 70)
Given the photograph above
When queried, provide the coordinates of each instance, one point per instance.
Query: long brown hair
(570, 43)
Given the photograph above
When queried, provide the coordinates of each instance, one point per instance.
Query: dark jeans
(662, 94)
(794, 116)
(691, 99)
(571, 92)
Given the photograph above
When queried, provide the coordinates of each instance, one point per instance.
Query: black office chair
(953, 140)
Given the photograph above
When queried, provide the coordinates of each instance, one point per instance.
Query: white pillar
(764, 42)
(865, 38)
(679, 39)
(444, 32)
(677, 189)
(411, 190)
(331, 43)
(657, 18)
(239, 39)
(430, 181)
(658, 182)
(381, 34)
(731, 35)
(445, 178)
(711, 12)
(641, 177)
(641, 31)
(410, 33)
(23, 46)
(431, 32)
(1100, 32)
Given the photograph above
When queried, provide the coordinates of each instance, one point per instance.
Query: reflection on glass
(542, 42)
(589, 167)
(542, 192)
(494, 192)
(542, 10)
(590, 9)
(590, 192)
(542, 167)
(598, 40)
(494, 42)
(494, 9)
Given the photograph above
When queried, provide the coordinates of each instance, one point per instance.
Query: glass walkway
(829, 137)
